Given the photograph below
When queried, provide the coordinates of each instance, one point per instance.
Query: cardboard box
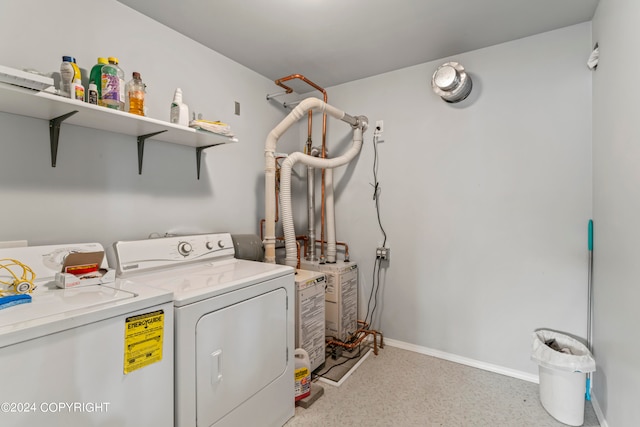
(84, 269)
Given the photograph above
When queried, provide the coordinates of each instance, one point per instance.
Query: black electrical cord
(376, 184)
(377, 264)
(377, 285)
(342, 363)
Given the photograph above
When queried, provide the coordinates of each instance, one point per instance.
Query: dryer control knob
(184, 248)
(209, 245)
(220, 244)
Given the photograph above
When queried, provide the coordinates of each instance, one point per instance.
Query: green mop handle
(590, 307)
(590, 285)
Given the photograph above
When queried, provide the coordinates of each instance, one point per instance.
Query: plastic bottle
(95, 76)
(66, 75)
(77, 90)
(77, 75)
(110, 82)
(179, 110)
(93, 94)
(302, 373)
(121, 84)
(135, 95)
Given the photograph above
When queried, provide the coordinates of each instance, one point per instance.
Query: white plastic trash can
(563, 375)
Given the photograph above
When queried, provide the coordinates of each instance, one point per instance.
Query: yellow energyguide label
(143, 337)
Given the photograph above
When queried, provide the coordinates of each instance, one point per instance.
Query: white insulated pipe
(270, 166)
(285, 194)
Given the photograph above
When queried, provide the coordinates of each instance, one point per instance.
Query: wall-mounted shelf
(58, 110)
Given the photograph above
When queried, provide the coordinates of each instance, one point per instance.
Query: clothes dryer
(234, 328)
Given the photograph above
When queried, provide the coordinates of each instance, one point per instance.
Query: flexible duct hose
(285, 190)
(270, 162)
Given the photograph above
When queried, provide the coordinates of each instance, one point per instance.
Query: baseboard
(598, 411)
(463, 360)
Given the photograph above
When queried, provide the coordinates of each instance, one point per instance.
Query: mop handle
(589, 286)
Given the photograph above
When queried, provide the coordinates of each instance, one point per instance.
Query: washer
(64, 355)
(234, 328)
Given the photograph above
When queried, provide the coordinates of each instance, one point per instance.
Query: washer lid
(195, 282)
(53, 309)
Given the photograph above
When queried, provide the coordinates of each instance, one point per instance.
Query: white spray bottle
(179, 110)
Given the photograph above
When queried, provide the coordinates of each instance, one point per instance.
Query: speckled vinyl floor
(401, 388)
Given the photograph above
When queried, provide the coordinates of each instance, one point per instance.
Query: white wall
(95, 192)
(485, 203)
(616, 209)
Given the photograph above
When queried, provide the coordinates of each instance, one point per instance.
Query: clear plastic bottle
(110, 86)
(135, 95)
(113, 85)
(121, 84)
(66, 75)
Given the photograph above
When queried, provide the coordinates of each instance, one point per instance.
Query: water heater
(341, 297)
(310, 315)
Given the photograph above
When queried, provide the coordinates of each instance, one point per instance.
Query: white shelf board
(47, 106)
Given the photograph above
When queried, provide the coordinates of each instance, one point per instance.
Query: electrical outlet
(378, 131)
(383, 253)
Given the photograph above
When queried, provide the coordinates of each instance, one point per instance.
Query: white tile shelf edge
(47, 106)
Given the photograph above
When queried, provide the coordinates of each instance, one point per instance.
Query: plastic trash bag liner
(573, 357)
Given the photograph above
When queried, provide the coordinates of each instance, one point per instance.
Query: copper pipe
(309, 126)
(346, 248)
(364, 332)
(364, 324)
(280, 83)
(305, 239)
(277, 218)
(262, 221)
(323, 154)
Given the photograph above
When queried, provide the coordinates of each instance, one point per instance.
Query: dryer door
(240, 349)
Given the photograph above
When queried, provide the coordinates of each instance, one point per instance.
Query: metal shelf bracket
(199, 156)
(141, 140)
(54, 135)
